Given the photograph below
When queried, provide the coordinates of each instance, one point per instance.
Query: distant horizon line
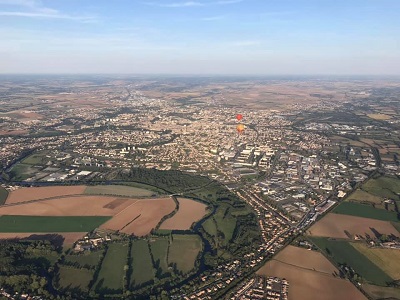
(199, 74)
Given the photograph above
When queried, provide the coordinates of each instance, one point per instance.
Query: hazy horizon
(201, 38)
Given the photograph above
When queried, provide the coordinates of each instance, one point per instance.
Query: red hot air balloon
(239, 117)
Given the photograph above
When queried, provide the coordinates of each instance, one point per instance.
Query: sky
(225, 37)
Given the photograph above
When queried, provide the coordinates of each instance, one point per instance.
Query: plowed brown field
(309, 276)
(70, 206)
(36, 193)
(189, 211)
(141, 217)
(334, 225)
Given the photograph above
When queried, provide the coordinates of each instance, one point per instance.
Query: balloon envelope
(240, 128)
(239, 117)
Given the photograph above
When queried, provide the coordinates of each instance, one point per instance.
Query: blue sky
(272, 37)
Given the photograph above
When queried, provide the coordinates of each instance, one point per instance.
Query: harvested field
(70, 206)
(306, 259)
(36, 193)
(386, 259)
(118, 190)
(379, 116)
(189, 212)
(380, 292)
(141, 217)
(69, 237)
(305, 284)
(334, 225)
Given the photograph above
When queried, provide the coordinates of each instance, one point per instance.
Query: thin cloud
(246, 43)
(34, 9)
(214, 18)
(44, 15)
(193, 3)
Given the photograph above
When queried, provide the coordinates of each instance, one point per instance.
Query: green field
(225, 222)
(363, 196)
(142, 270)
(110, 278)
(383, 187)
(50, 224)
(22, 171)
(386, 259)
(183, 251)
(87, 259)
(72, 278)
(210, 227)
(159, 249)
(396, 225)
(3, 195)
(365, 211)
(343, 252)
(118, 190)
(34, 159)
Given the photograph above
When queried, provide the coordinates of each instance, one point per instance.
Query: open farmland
(383, 187)
(69, 237)
(70, 206)
(342, 252)
(141, 217)
(50, 224)
(118, 190)
(365, 211)
(72, 278)
(142, 270)
(3, 195)
(334, 225)
(110, 277)
(86, 260)
(305, 284)
(363, 196)
(183, 251)
(189, 212)
(380, 292)
(159, 249)
(306, 259)
(36, 193)
(386, 259)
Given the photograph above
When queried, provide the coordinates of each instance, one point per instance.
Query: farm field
(226, 223)
(379, 116)
(71, 278)
(70, 206)
(36, 193)
(189, 212)
(141, 217)
(110, 278)
(183, 251)
(87, 259)
(118, 190)
(305, 284)
(334, 225)
(365, 211)
(34, 159)
(343, 252)
(383, 187)
(25, 224)
(363, 196)
(380, 292)
(305, 259)
(3, 195)
(386, 259)
(159, 249)
(69, 237)
(142, 270)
